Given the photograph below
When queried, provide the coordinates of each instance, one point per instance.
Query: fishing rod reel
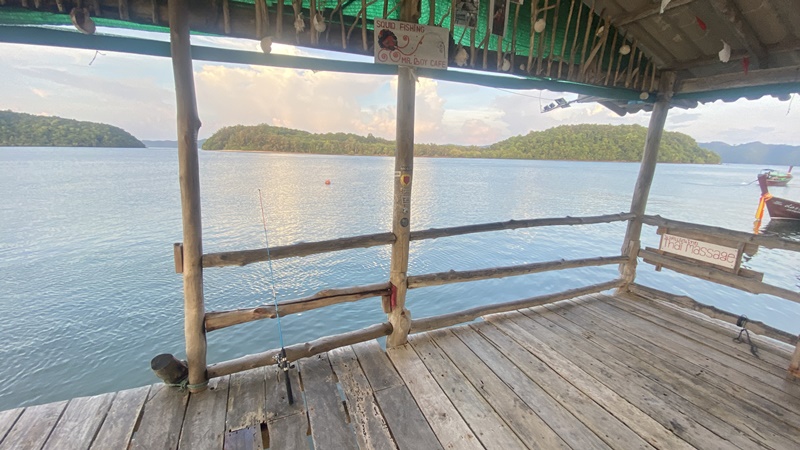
(283, 364)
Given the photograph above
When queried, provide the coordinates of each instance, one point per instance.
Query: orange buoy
(328, 182)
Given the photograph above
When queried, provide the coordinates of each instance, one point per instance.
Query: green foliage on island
(567, 142)
(27, 130)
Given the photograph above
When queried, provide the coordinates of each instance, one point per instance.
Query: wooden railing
(216, 320)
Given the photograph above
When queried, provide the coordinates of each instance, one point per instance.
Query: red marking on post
(393, 298)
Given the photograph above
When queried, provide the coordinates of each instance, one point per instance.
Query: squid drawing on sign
(391, 47)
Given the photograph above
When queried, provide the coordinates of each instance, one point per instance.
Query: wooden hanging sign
(410, 44)
(706, 252)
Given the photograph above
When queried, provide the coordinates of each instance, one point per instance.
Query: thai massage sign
(410, 44)
(702, 251)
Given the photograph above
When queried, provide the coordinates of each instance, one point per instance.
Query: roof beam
(737, 24)
(739, 80)
(646, 12)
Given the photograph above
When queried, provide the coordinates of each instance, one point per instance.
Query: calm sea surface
(88, 292)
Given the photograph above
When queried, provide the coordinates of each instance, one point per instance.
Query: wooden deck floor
(590, 373)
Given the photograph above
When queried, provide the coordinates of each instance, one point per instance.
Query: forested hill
(756, 153)
(27, 130)
(568, 142)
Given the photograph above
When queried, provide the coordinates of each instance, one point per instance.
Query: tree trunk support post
(631, 244)
(188, 126)
(794, 365)
(399, 316)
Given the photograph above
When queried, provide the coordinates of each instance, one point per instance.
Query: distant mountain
(28, 130)
(567, 142)
(755, 153)
(168, 144)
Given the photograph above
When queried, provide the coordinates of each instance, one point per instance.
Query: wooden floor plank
(686, 384)
(444, 419)
(409, 428)
(289, 433)
(371, 429)
(7, 420)
(687, 348)
(766, 361)
(162, 419)
(117, 428)
(613, 432)
(79, 423)
(33, 427)
(640, 422)
(759, 382)
(487, 425)
(277, 399)
(376, 366)
(530, 428)
(570, 429)
(204, 424)
(645, 394)
(326, 415)
(247, 438)
(247, 396)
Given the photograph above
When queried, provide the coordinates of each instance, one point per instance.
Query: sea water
(89, 295)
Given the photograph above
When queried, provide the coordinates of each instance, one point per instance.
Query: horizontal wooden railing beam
(243, 257)
(216, 320)
(712, 312)
(455, 318)
(741, 236)
(438, 279)
(718, 276)
(298, 351)
(434, 233)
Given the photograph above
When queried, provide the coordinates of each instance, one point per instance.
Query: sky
(136, 93)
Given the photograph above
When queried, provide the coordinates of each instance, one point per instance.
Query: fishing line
(283, 362)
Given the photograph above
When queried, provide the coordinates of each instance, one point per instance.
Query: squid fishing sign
(410, 44)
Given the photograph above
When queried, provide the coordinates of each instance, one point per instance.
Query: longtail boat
(777, 178)
(779, 208)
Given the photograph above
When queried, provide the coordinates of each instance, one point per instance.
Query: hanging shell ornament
(625, 49)
(644, 95)
(461, 57)
(664, 4)
(266, 45)
(725, 53)
(299, 23)
(539, 25)
(506, 65)
(80, 18)
(599, 31)
(319, 22)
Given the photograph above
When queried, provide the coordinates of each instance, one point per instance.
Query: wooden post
(794, 365)
(399, 317)
(630, 246)
(188, 125)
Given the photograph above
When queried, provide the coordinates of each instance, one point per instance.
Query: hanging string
(269, 263)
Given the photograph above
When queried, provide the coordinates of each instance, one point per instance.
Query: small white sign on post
(410, 44)
(718, 255)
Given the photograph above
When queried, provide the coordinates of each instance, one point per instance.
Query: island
(28, 130)
(566, 142)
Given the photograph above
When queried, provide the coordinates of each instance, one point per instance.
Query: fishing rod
(280, 358)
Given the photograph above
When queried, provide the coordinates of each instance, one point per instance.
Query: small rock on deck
(595, 372)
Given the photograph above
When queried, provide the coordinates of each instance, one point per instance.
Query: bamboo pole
(540, 51)
(258, 4)
(630, 246)
(586, 34)
(441, 278)
(534, 13)
(226, 16)
(446, 320)
(154, 11)
(364, 24)
(472, 32)
(614, 51)
(216, 320)
(553, 37)
(431, 12)
(244, 257)
(712, 312)
(123, 10)
(400, 317)
(514, 38)
(724, 233)
(631, 57)
(279, 20)
(298, 351)
(575, 40)
(564, 41)
(718, 276)
(188, 126)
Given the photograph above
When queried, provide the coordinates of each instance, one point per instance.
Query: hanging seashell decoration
(319, 22)
(644, 95)
(600, 31)
(266, 45)
(80, 18)
(539, 25)
(299, 23)
(625, 49)
(461, 57)
(725, 53)
(506, 65)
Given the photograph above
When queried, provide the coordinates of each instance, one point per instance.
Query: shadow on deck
(588, 373)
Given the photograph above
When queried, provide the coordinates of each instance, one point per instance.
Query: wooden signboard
(410, 44)
(706, 252)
